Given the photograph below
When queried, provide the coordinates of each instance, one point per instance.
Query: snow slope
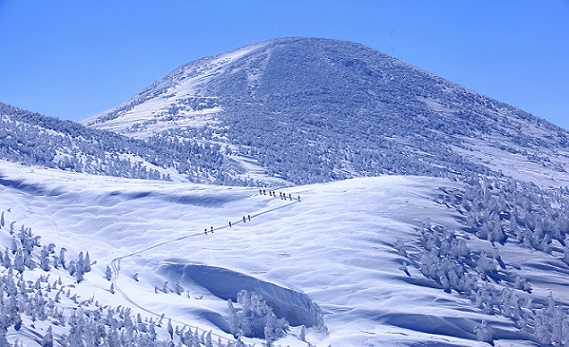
(335, 250)
(179, 93)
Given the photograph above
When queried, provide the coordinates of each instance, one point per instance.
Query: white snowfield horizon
(337, 246)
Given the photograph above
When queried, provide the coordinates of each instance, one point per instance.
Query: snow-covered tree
(108, 273)
(255, 318)
(47, 340)
(483, 332)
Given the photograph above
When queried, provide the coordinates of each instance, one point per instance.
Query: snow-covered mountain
(456, 236)
(313, 110)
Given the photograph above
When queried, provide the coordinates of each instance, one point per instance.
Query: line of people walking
(282, 195)
(272, 193)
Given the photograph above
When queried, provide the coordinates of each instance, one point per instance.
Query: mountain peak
(189, 95)
(311, 110)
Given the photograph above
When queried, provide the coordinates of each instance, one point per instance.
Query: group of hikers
(272, 193)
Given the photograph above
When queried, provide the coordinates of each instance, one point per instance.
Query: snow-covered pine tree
(47, 340)
(108, 273)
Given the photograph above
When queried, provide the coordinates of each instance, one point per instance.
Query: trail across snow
(116, 262)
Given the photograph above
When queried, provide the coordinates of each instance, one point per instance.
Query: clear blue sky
(72, 59)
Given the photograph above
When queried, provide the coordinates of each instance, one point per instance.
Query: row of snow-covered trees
(497, 211)
(502, 209)
(27, 252)
(443, 256)
(38, 291)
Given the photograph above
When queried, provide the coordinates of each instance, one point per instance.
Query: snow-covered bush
(483, 332)
(254, 318)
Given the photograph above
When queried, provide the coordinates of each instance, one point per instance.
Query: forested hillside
(32, 139)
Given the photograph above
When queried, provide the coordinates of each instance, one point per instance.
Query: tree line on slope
(31, 139)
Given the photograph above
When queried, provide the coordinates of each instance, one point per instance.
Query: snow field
(336, 246)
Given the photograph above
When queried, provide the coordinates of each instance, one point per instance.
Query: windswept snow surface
(334, 251)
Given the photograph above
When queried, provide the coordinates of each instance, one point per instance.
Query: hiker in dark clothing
(249, 217)
(244, 219)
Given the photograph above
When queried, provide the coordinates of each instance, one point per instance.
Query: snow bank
(295, 307)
